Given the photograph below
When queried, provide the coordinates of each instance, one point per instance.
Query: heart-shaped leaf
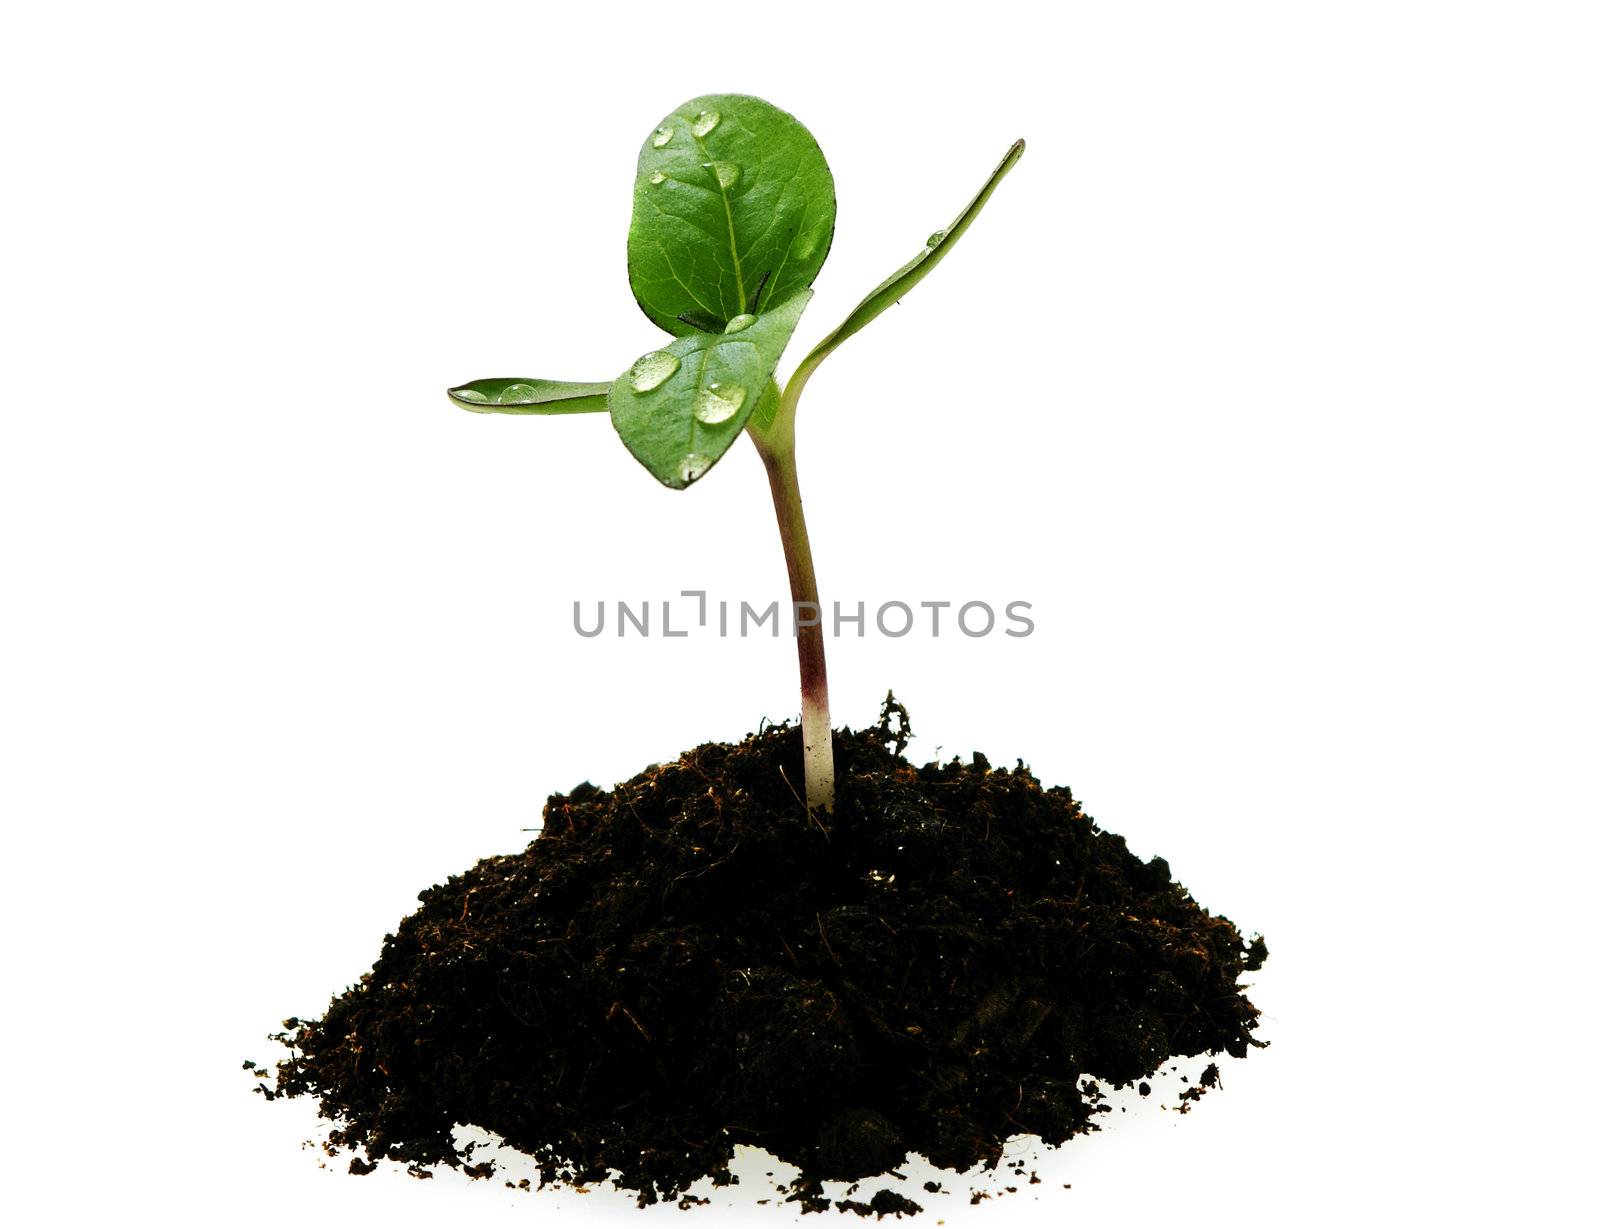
(511, 395)
(678, 409)
(733, 212)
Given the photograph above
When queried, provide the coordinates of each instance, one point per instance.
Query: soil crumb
(884, 1203)
(953, 957)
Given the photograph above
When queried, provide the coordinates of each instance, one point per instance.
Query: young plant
(733, 214)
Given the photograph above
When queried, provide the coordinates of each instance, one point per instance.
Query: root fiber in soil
(689, 962)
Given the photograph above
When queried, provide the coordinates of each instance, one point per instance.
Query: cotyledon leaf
(889, 292)
(511, 395)
(733, 212)
(678, 409)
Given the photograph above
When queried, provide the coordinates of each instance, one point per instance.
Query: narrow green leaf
(898, 283)
(511, 395)
(679, 409)
(733, 212)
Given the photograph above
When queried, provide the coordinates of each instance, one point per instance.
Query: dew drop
(652, 370)
(693, 465)
(516, 394)
(935, 239)
(469, 394)
(739, 323)
(804, 246)
(705, 122)
(657, 177)
(718, 402)
(727, 174)
(661, 135)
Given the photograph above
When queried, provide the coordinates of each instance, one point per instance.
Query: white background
(1269, 377)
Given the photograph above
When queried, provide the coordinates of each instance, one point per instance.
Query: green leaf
(892, 289)
(512, 395)
(680, 408)
(766, 410)
(733, 212)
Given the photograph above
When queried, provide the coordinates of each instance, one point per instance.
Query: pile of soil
(690, 961)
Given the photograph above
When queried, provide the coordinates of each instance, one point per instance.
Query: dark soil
(689, 962)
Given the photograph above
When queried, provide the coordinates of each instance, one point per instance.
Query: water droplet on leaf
(718, 402)
(705, 122)
(469, 394)
(804, 246)
(727, 174)
(693, 465)
(740, 323)
(935, 239)
(661, 136)
(657, 177)
(652, 370)
(516, 394)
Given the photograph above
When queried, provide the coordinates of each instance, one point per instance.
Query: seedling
(774, 992)
(733, 215)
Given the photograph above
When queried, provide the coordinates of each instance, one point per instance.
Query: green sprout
(733, 215)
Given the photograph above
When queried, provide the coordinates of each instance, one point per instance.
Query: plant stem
(816, 732)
